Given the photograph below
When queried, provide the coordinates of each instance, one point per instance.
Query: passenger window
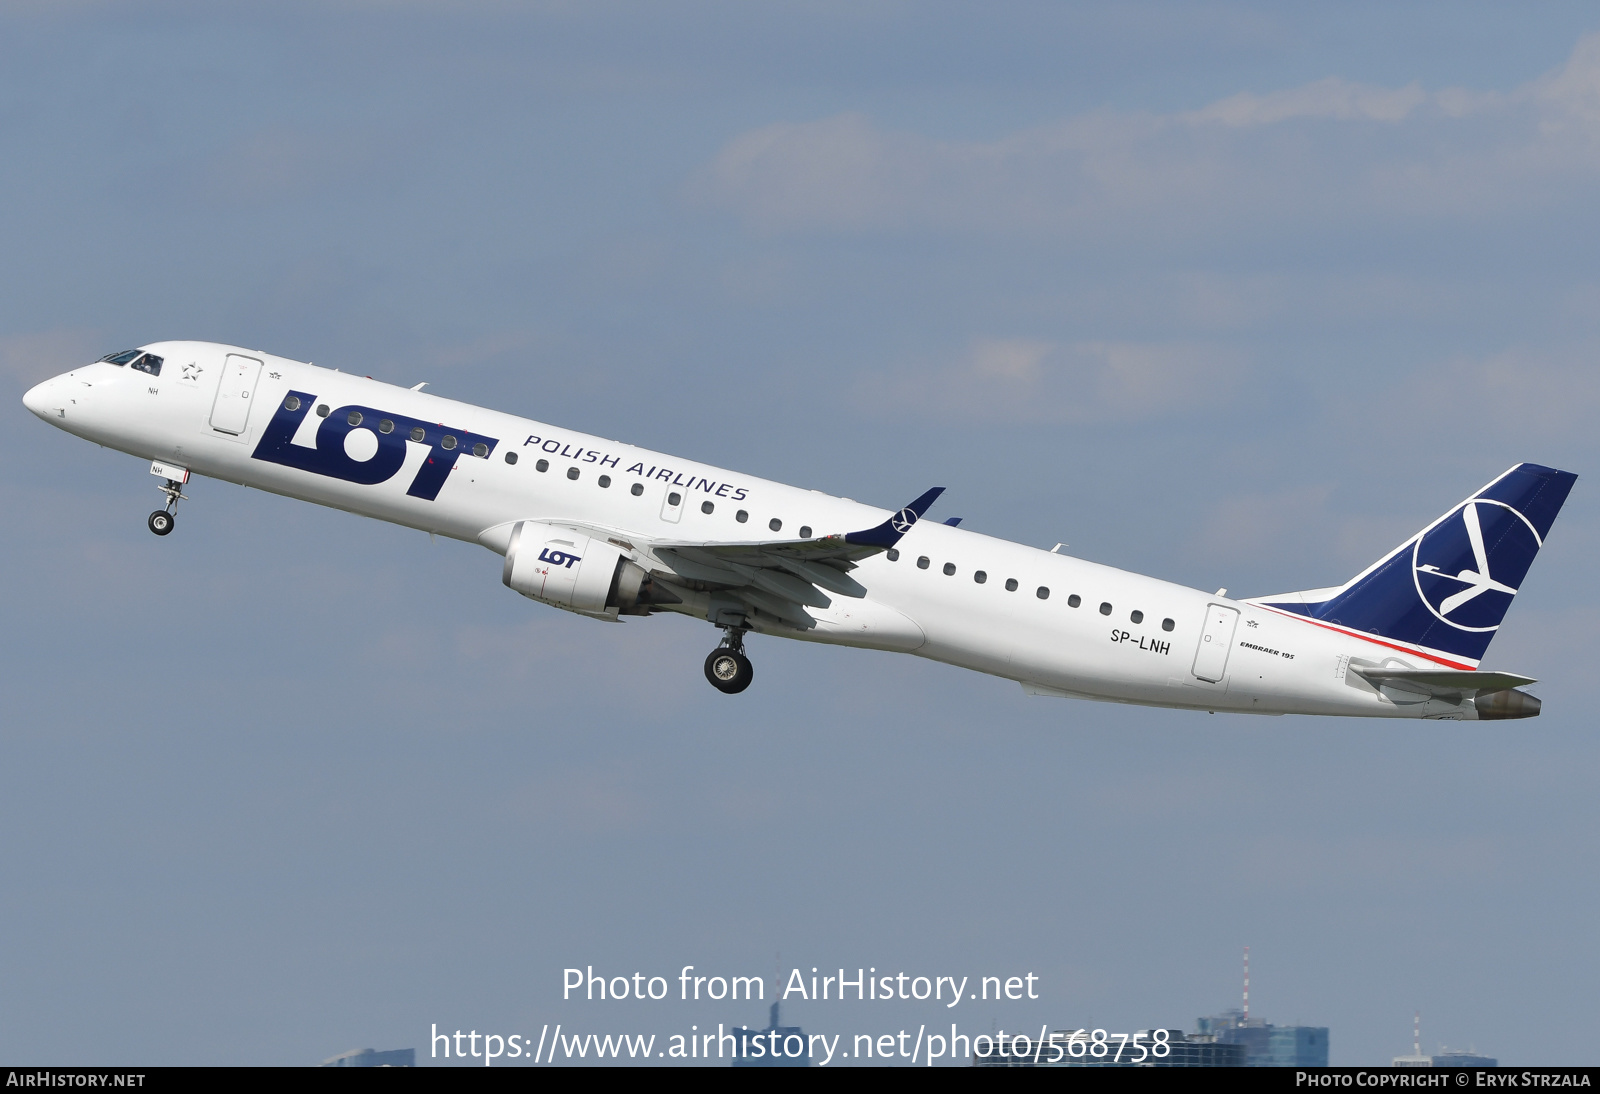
(448, 444)
(1105, 609)
(291, 403)
(741, 516)
(1166, 624)
(706, 507)
(636, 489)
(354, 418)
(922, 563)
(1043, 593)
(323, 412)
(775, 524)
(979, 576)
(949, 569)
(418, 434)
(1011, 584)
(479, 450)
(542, 465)
(673, 498)
(148, 363)
(805, 531)
(120, 358)
(605, 482)
(1074, 600)
(1136, 617)
(511, 457)
(386, 426)
(892, 554)
(572, 473)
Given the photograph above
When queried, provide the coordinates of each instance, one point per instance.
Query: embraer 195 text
(607, 530)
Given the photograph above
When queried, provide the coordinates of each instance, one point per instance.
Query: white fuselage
(1079, 638)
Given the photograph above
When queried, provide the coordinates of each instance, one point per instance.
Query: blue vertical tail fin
(1447, 588)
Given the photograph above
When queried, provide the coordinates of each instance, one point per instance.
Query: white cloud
(839, 170)
(1242, 158)
(279, 163)
(1530, 396)
(1574, 88)
(488, 347)
(1029, 380)
(1250, 524)
(38, 355)
(1330, 98)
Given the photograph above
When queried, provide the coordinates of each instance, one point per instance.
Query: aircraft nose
(48, 400)
(37, 398)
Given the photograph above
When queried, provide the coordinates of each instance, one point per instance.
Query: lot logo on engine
(558, 558)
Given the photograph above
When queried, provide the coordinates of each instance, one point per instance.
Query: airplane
(608, 530)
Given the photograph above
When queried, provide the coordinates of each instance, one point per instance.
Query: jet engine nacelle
(1506, 704)
(580, 573)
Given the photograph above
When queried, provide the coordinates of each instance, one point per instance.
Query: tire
(728, 671)
(160, 522)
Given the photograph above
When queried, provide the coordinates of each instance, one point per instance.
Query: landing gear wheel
(729, 670)
(161, 521)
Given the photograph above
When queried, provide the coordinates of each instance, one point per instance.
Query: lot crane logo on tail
(1454, 590)
(1447, 588)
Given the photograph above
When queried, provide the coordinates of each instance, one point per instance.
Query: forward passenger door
(230, 413)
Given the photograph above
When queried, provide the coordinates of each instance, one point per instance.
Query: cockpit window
(120, 358)
(148, 363)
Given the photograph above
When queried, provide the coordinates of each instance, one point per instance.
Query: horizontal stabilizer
(1444, 680)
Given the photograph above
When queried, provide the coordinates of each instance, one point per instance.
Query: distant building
(1267, 1045)
(1446, 1058)
(366, 1057)
(1182, 1051)
(774, 1039)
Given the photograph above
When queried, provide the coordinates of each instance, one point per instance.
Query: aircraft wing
(778, 577)
(782, 577)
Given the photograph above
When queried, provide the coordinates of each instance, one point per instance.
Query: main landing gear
(727, 668)
(162, 520)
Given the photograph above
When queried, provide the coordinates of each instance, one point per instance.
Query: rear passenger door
(1216, 639)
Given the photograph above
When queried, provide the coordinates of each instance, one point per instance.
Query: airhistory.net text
(866, 984)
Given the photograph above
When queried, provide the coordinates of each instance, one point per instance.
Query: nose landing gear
(162, 520)
(728, 669)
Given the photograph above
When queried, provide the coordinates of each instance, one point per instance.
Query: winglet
(889, 532)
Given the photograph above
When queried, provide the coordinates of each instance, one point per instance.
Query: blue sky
(1235, 294)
